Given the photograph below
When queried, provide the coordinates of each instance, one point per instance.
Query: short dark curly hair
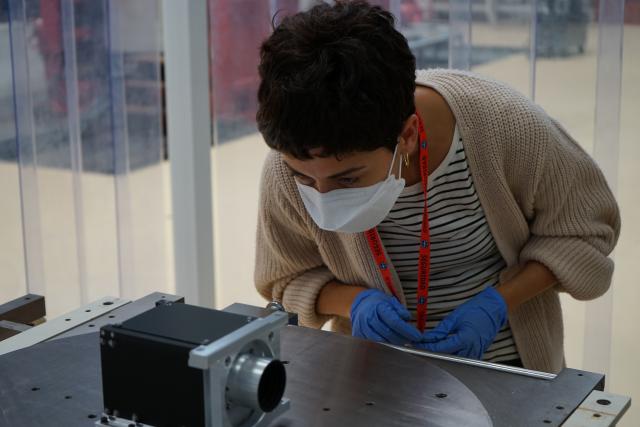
(337, 77)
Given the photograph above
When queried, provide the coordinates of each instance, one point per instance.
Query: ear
(408, 138)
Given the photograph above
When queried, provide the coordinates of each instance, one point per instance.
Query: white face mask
(353, 210)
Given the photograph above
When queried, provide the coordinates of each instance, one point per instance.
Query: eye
(347, 181)
(302, 179)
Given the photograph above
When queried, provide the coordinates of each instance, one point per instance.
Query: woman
(438, 209)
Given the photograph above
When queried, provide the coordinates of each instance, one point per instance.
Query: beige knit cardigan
(544, 198)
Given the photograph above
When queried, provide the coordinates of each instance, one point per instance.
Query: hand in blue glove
(380, 317)
(471, 328)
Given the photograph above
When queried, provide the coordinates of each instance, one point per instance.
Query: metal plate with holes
(60, 324)
(541, 400)
(600, 409)
(121, 313)
(335, 380)
(54, 383)
(332, 380)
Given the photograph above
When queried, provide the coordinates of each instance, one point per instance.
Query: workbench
(50, 376)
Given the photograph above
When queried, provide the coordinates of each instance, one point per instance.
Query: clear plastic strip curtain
(599, 313)
(26, 150)
(87, 95)
(126, 257)
(460, 24)
(75, 143)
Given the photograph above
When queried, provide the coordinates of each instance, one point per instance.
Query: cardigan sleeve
(289, 267)
(576, 222)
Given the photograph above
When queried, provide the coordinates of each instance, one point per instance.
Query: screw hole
(596, 415)
(107, 303)
(547, 421)
(111, 317)
(604, 402)
(441, 395)
(91, 326)
(370, 403)
(326, 409)
(227, 361)
(27, 298)
(580, 375)
(66, 320)
(560, 407)
(35, 388)
(67, 397)
(271, 336)
(163, 296)
(87, 311)
(91, 416)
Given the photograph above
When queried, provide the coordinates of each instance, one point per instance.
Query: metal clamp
(233, 367)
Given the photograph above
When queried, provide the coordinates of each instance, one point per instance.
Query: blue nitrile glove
(471, 328)
(380, 317)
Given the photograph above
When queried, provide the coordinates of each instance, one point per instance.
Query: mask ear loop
(393, 159)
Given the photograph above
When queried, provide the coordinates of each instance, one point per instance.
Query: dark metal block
(27, 309)
(9, 329)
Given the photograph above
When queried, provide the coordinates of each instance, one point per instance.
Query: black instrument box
(145, 375)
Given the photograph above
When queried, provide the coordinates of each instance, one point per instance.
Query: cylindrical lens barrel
(256, 382)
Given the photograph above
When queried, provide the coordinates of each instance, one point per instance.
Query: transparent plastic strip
(460, 34)
(599, 313)
(273, 8)
(26, 149)
(533, 48)
(120, 135)
(75, 138)
(395, 8)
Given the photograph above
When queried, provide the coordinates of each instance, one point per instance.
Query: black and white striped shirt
(464, 256)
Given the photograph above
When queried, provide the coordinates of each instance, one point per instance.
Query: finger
(401, 309)
(420, 345)
(451, 345)
(470, 352)
(374, 336)
(433, 336)
(387, 334)
(447, 325)
(473, 348)
(360, 329)
(442, 330)
(390, 317)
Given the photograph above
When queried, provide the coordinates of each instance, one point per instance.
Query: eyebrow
(334, 176)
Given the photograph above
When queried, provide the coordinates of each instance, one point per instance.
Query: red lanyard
(424, 254)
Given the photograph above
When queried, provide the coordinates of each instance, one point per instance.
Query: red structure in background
(88, 36)
(236, 30)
